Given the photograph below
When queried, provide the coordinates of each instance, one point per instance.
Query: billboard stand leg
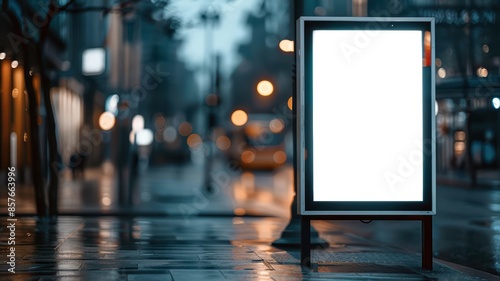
(427, 242)
(305, 239)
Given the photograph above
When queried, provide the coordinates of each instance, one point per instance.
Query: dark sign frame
(304, 100)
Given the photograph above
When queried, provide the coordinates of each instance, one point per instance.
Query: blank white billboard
(367, 115)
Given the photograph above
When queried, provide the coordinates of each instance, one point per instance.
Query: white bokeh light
(496, 103)
(144, 137)
(93, 61)
(137, 123)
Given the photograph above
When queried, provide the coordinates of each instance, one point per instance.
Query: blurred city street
(166, 139)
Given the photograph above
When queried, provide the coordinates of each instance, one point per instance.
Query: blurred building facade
(467, 74)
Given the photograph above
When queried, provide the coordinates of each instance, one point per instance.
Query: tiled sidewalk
(199, 248)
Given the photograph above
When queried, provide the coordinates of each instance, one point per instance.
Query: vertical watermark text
(11, 221)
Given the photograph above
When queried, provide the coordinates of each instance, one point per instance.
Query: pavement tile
(226, 256)
(108, 264)
(149, 277)
(191, 275)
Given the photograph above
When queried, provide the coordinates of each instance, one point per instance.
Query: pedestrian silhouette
(76, 164)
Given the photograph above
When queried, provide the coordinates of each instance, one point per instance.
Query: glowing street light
(265, 88)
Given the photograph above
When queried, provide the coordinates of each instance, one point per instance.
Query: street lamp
(291, 235)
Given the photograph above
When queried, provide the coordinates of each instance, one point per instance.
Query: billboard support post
(427, 242)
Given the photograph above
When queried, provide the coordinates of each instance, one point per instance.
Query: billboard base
(305, 249)
(291, 237)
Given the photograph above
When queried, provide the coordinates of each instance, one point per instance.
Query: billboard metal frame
(361, 210)
(307, 206)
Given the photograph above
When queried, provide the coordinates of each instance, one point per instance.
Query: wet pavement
(202, 248)
(173, 230)
(466, 228)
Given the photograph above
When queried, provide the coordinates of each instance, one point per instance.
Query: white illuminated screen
(367, 115)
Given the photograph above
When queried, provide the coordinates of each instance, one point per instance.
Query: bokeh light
(106, 201)
(144, 137)
(286, 46)
(265, 88)
(194, 141)
(239, 117)
(279, 157)
(248, 156)
(442, 73)
(459, 148)
(460, 136)
(495, 102)
(223, 143)
(112, 103)
(482, 72)
(486, 48)
(137, 123)
(439, 63)
(107, 121)
(131, 137)
(170, 134)
(290, 103)
(319, 11)
(276, 125)
(185, 129)
(212, 100)
(160, 122)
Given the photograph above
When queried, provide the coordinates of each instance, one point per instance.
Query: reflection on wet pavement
(172, 222)
(203, 248)
(466, 229)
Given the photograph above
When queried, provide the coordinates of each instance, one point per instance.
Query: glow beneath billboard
(367, 115)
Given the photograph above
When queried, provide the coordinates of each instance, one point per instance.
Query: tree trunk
(34, 139)
(52, 155)
(53, 186)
